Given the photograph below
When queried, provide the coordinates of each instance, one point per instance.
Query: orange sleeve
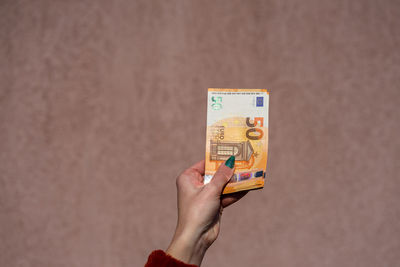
(159, 258)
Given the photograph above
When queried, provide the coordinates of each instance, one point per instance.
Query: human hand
(200, 208)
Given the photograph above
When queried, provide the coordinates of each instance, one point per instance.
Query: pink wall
(103, 103)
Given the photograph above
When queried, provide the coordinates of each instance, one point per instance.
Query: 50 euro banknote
(237, 125)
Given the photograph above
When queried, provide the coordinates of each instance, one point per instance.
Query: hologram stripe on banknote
(237, 124)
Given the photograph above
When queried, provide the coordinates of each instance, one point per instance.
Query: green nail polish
(230, 162)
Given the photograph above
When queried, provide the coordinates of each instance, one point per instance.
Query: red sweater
(158, 258)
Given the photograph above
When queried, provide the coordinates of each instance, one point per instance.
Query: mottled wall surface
(103, 104)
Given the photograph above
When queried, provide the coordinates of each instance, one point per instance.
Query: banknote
(237, 125)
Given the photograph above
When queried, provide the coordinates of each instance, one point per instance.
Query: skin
(199, 212)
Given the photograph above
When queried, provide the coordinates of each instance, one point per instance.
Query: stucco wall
(103, 104)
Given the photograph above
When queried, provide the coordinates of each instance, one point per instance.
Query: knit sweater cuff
(159, 258)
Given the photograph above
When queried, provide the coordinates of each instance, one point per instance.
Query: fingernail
(230, 162)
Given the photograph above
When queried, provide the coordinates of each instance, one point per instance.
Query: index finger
(199, 167)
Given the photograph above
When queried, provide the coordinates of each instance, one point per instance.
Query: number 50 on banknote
(237, 125)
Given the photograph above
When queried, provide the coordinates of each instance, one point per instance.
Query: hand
(200, 208)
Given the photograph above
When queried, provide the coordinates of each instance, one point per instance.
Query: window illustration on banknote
(220, 150)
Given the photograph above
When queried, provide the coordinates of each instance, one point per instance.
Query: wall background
(103, 104)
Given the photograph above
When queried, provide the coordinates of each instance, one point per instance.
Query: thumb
(223, 175)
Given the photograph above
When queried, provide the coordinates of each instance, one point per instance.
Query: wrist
(187, 247)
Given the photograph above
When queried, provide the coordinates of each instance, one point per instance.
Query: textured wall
(103, 103)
